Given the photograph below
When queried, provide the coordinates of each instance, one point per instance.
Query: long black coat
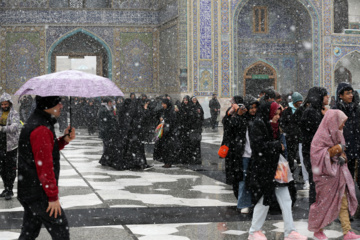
(184, 117)
(197, 120)
(164, 147)
(351, 128)
(235, 138)
(265, 156)
(108, 132)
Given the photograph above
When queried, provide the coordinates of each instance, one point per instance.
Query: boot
(3, 193)
(9, 195)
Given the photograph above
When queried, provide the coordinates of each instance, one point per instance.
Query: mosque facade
(195, 47)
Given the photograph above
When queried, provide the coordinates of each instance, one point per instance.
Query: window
(260, 20)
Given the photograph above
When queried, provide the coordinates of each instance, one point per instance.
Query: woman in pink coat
(335, 190)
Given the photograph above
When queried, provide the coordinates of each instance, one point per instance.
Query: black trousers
(8, 167)
(213, 119)
(35, 215)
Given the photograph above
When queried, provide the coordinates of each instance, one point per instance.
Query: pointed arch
(316, 39)
(90, 34)
(265, 69)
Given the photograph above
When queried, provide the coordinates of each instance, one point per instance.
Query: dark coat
(312, 116)
(134, 149)
(265, 156)
(235, 138)
(184, 117)
(197, 119)
(108, 126)
(214, 104)
(351, 129)
(29, 186)
(290, 126)
(164, 147)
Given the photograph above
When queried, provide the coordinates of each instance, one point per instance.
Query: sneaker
(167, 166)
(3, 193)
(245, 210)
(259, 235)
(351, 236)
(306, 185)
(9, 195)
(295, 235)
(320, 236)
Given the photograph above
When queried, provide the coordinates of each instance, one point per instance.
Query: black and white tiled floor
(172, 204)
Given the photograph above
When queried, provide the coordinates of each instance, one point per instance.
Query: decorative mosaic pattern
(53, 33)
(206, 76)
(316, 38)
(135, 62)
(139, 4)
(216, 47)
(79, 17)
(225, 46)
(225, 54)
(224, 16)
(183, 34)
(345, 50)
(205, 29)
(22, 56)
(330, 41)
(169, 69)
(168, 12)
(195, 48)
(24, 3)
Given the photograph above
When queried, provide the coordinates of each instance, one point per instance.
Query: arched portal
(342, 74)
(259, 75)
(347, 69)
(78, 44)
(290, 42)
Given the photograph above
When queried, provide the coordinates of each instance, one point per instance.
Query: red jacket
(42, 144)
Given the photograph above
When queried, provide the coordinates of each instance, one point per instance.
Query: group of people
(126, 124)
(260, 133)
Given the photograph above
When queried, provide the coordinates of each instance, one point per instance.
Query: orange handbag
(223, 151)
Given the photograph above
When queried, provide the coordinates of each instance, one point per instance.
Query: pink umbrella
(70, 83)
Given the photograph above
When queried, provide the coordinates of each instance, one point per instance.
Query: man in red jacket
(38, 170)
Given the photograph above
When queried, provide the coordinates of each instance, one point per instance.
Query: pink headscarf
(327, 136)
(331, 179)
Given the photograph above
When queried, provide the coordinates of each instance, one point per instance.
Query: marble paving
(86, 185)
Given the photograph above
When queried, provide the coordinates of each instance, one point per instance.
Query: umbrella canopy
(70, 83)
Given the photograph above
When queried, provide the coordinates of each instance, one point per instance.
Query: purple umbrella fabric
(70, 83)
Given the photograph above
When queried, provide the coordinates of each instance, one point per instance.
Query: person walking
(10, 127)
(185, 116)
(266, 149)
(39, 170)
(214, 106)
(241, 190)
(229, 138)
(63, 119)
(316, 102)
(163, 149)
(335, 188)
(134, 151)
(196, 130)
(345, 103)
(108, 129)
(291, 130)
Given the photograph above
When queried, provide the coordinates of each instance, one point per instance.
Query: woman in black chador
(134, 151)
(164, 147)
(184, 117)
(197, 119)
